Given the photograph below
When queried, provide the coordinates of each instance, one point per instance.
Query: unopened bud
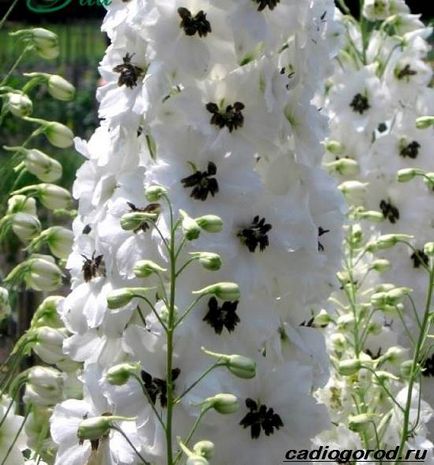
(393, 355)
(59, 240)
(238, 365)
(338, 342)
(120, 374)
(192, 457)
(428, 249)
(190, 228)
(18, 104)
(60, 88)
(424, 122)
(407, 174)
(368, 215)
(322, 319)
(204, 449)
(210, 223)
(334, 147)
(43, 274)
(144, 268)
(346, 321)
(121, 297)
(132, 221)
(380, 265)
(25, 226)
(349, 367)
(42, 166)
(59, 135)
(344, 167)
(406, 369)
(46, 314)
(210, 261)
(46, 43)
(360, 423)
(222, 403)
(224, 291)
(354, 191)
(387, 241)
(22, 204)
(154, 193)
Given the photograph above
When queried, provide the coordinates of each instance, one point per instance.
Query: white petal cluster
(212, 100)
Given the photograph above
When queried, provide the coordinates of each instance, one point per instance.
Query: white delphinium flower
(207, 104)
(12, 438)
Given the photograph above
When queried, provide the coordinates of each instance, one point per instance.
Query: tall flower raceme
(380, 104)
(206, 238)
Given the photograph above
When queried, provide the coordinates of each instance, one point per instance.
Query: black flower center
(151, 208)
(419, 257)
(194, 24)
(374, 356)
(410, 150)
(428, 367)
(360, 104)
(129, 73)
(255, 234)
(321, 232)
(230, 117)
(405, 72)
(156, 388)
(262, 4)
(222, 317)
(92, 267)
(260, 417)
(390, 212)
(202, 182)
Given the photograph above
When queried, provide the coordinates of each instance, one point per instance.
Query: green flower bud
(210, 261)
(361, 423)
(42, 166)
(380, 265)
(50, 195)
(5, 307)
(204, 449)
(59, 240)
(393, 355)
(407, 174)
(387, 241)
(424, 122)
(25, 226)
(349, 367)
(120, 374)
(132, 221)
(210, 223)
(94, 428)
(338, 342)
(192, 457)
(334, 147)
(240, 366)
(344, 167)
(18, 104)
(46, 314)
(353, 191)
(121, 297)
(60, 88)
(22, 204)
(322, 319)
(190, 227)
(59, 135)
(154, 193)
(346, 322)
(42, 274)
(428, 249)
(368, 215)
(222, 403)
(406, 369)
(144, 268)
(224, 291)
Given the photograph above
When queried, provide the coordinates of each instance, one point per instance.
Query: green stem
(116, 428)
(17, 62)
(414, 367)
(16, 436)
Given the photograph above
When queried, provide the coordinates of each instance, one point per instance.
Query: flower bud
(154, 193)
(222, 403)
(334, 147)
(322, 319)
(94, 428)
(46, 314)
(349, 367)
(42, 166)
(192, 457)
(46, 43)
(204, 449)
(376, 10)
(120, 374)
(368, 215)
(133, 221)
(380, 265)
(346, 322)
(144, 268)
(240, 366)
(59, 135)
(5, 307)
(43, 275)
(407, 174)
(393, 355)
(387, 241)
(428, 249)
(121, 297)
(210, 261)
(424, 122)
(53, 197)
(406, 369)
(18, 104)
(59, 240)
(338, 342)
(25, 226)
(224, 291)
(190, 227)
(344, 167)
(48, 343)
(353, 191)
(60, 88)
(361, 423)
(22, 204)
(210, 223)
